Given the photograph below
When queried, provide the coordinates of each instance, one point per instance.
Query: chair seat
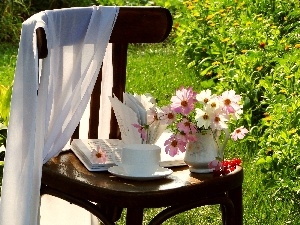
(66, 175)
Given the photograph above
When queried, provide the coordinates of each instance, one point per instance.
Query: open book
(82, 148)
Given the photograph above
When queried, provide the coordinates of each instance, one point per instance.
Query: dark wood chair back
(133, 25)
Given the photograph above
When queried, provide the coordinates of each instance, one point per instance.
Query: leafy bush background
(252, 47)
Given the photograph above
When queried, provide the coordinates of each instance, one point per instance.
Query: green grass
(8, 56)
(159, 70)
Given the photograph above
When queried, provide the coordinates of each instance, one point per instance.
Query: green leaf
(204, 72)
(191, 64)
(260, 161)
(269, 159)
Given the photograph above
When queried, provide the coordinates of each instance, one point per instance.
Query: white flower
(230, 101)
(204, 96)
(152, 115)
(219, 120)
(202, 118)
(239, 133)
(213, 104)
(99, 155)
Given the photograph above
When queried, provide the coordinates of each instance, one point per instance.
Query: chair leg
(236, 196)
(223, 210)
(112, 212)
(228, 214)
(134, 216)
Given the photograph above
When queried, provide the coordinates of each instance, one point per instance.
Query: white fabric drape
(40, 125)
(64, 211)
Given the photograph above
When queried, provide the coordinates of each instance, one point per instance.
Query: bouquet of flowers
(191, 112)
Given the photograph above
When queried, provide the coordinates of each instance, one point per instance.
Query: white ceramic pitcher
(205, 149)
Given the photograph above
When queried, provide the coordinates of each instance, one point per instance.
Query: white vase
(205, 149)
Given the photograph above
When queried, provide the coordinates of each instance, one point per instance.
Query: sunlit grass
(157, 69)
(8, 56)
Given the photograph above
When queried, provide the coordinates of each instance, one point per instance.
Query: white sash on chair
(41, 125)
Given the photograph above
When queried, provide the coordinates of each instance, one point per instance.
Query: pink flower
(98, 156)
(184, 101)
(215, 164)
(186, 137)
(230, 101)
(239, 133)
(167, 116)
(142, 130)
(152, 115)
(187, 127)
(174, 145)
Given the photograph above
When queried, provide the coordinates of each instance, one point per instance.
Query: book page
(126, 117)
(137, 106)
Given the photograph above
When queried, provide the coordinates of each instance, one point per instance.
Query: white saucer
(160, 173)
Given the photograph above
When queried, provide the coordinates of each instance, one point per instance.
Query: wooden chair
(105, 195)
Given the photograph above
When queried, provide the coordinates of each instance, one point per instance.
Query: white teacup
(140, 159)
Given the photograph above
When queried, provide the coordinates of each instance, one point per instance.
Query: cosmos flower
(174, 145)
(184, 101)
(239, 133)
(98, 155)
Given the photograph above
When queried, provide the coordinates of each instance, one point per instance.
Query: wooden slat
(141, 25)
(94, 108)
(133, 25)
(119, 58)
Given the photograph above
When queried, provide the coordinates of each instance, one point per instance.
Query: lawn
(165, 68)
(8, 56)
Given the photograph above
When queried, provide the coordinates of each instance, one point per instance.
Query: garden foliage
(252, 47)
(5, 95)
(14, 12)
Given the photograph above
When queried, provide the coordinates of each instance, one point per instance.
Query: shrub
(5, 95)
(11, 17)
(279, 156)
(235, 44)
(252, 47)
